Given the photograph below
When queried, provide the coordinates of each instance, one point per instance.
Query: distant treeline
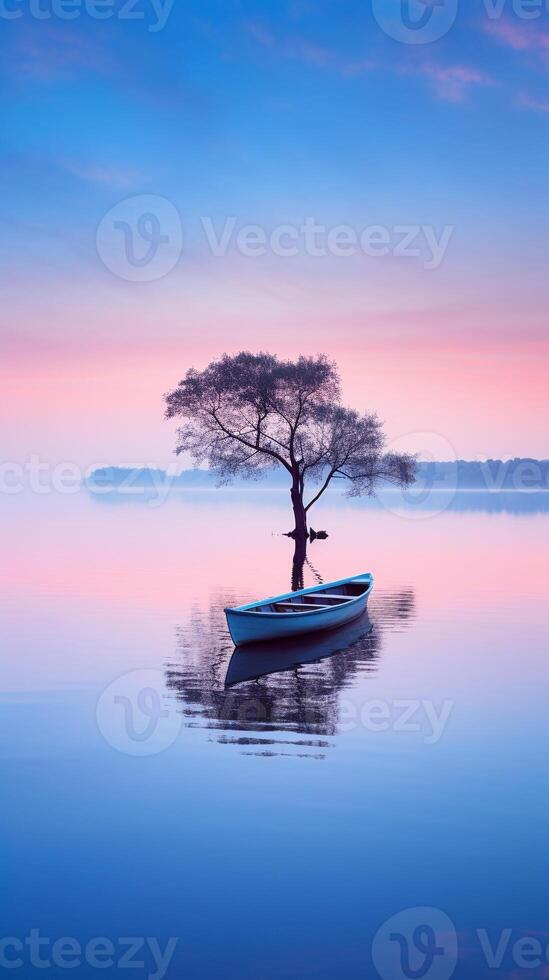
(491, 474)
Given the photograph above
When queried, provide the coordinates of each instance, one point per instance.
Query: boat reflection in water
(280, 698)
(256, 660)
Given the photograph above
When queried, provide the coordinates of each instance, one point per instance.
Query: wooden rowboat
(255, 660)
(321, 607)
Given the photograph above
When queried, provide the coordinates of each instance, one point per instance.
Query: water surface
(272, 821)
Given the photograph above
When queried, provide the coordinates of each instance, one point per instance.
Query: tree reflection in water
(279, 698)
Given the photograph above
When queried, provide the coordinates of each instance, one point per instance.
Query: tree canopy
(247, 413)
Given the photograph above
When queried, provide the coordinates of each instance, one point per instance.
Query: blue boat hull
(255, 660)
(247, 625)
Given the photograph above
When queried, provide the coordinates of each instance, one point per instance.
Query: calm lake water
(273, 824)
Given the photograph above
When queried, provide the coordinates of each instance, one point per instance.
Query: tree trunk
(300, 555)
(300, 516)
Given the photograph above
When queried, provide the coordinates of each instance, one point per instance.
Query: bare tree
(249, 413)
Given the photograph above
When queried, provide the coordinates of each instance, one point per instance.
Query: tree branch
(250, 445)
(321, 491)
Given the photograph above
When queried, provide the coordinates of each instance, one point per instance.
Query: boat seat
(342, 598)
(302, 606)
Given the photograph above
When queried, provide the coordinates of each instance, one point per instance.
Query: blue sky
(276, 105)
(270, 112)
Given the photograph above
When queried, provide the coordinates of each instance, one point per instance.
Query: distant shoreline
(332, 490)
(518, 475)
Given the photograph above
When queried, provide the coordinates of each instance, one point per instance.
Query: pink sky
(452, 353)
(477, 400)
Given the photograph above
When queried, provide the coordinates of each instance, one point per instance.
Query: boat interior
(320, 599)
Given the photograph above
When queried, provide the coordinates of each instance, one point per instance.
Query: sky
(365, 179)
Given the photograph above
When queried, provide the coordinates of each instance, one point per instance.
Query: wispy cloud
(528, 102)
(452, 83)
(519, 37)
(356, 68)
(294, 48)
(57, 54)
(260, 33)
(101, 174)
(306, 52)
